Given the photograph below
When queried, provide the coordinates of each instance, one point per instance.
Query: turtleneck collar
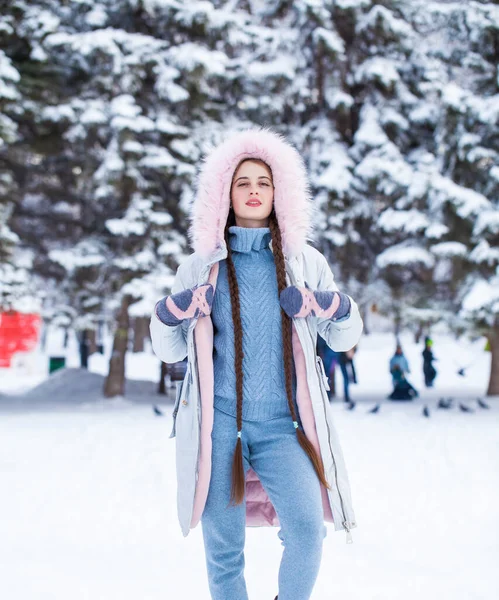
(245, 239)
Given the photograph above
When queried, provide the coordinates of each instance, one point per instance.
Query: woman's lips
(254, 203)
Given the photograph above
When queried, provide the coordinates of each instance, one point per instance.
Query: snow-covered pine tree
(122, 97)
(410, 182)
(9, 95)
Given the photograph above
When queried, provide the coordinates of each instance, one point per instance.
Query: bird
(350, 405)
(375, 409)
(465, 408)
(426, 411)
(481, 403)
(157, 412)
(443, 403)
(461, 372)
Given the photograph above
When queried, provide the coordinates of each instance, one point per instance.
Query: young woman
(255, 440)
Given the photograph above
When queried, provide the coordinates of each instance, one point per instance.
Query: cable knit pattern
(264, 393)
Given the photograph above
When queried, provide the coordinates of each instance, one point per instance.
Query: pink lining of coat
(259, 509)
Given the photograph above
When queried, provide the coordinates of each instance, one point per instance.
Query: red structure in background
(19, 332)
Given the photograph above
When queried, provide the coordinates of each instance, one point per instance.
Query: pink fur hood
(292, 200)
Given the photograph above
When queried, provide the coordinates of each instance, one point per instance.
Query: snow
(345, 4)
(337, 176)
(8, 74)
(436, 230)
(481, 294)
(404, 255)
(126, 115)
(190, 56)
(160, 218)
(94, 113)
(487, 222)
(449, 249)
(380, 70)
(7, 71)
(483, 253)
(97, 17)
(281, 66)
(91, 492)
(467, 201)
(388, 168)
(157, 158)
(409, 221)
(330, 39)
(81, 256)
(369, 132)
(167, 89)
(58, 113)
(380, 18)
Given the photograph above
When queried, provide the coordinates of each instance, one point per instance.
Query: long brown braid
(238, 479)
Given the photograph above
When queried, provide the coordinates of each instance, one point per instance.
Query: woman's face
(252, 194)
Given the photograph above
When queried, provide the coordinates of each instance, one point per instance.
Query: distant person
(399, 367)
(329, 360)
(347, 367)
(429, 370)
(84, 347)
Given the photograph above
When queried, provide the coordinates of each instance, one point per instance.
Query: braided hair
(238, 479)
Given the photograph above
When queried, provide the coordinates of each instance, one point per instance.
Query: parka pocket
(322, 373)
(180, 394)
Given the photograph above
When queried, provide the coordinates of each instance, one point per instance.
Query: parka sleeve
(344, 334)
(169, 343)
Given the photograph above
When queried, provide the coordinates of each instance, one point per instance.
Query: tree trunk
(140, 333)
(83, 343)
(114, 384)
(493, 337)
(397, 320)
(100, 337)
(92, 344)
(419, 332)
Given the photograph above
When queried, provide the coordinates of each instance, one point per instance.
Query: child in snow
(255, 439)
(399, 367)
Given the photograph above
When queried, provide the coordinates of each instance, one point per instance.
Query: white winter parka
(193, 338)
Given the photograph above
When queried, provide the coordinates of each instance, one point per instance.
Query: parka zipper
(345, 523)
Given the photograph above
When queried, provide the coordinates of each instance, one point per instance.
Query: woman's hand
(302, 302)
(186, 304)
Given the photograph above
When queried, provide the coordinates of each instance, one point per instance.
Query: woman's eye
(242, 184)
(265, 184)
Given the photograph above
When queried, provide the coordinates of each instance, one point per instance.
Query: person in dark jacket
(429, 370)
(329, 360)
(347, 367)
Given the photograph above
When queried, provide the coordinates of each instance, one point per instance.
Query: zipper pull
(348, 532)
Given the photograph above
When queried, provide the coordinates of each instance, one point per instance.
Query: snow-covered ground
(88, 489)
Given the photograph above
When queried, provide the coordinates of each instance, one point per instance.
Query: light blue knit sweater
(264, 394)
